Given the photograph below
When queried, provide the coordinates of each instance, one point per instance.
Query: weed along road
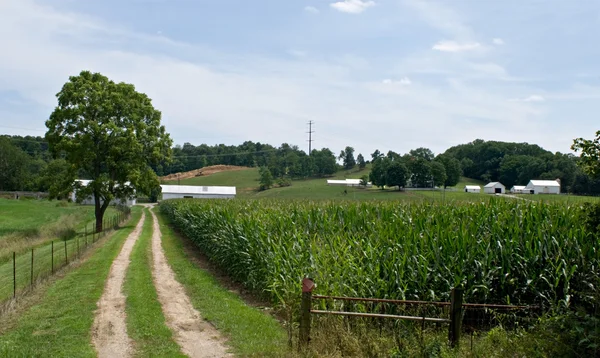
(109, 333)
(196, 337)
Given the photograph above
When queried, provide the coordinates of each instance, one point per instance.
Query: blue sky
(381, 74)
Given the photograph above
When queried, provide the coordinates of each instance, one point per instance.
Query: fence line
(45, 260)
(455, 312)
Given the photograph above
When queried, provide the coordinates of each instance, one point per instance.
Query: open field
(26, 224)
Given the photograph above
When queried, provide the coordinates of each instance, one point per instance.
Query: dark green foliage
(452, 168)
(420, 170)
(361, 162)
(347, 157)
(266, 178)
(378, 174)
(438, 173)
(14, 166)
(396, 174)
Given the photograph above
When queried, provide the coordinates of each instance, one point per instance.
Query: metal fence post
(31, 267)
(78, 253)
(14, 274)
(52, 257)
(66, 258)
(307, 286)
(456, 298)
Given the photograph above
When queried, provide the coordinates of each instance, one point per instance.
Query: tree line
(418, 168)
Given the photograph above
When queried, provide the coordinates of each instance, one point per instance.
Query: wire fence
(25, 270)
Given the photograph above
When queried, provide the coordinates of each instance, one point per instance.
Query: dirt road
(196, 337)
(109, 332)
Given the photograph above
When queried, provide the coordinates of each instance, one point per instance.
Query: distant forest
(26, 164)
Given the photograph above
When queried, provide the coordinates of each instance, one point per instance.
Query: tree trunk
(99, 212)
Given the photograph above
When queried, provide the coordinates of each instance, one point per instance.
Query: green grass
(60, 325)
(145, 320)
(250, 332)
(26, 224)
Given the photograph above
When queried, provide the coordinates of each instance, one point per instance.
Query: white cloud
(453, 46)
(297, 53)
(498, 41)
(312, 10)
(404, 81)
(352, 6)
(532, 98)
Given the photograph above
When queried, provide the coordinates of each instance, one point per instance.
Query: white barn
(347, 182)
(542, 187)
(472, 189)
(518, 189)
(90, 200)
(197, 192)
(494, 188)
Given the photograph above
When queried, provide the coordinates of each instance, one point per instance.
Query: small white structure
(197, 192)
(494, 188)
(518, 189)
(347, 182)
(90, 200)
(472, 189)
(542, 187)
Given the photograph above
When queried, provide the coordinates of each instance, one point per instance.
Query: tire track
(109, 332)
(196, 337)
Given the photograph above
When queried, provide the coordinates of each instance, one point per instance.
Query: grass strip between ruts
(145, 319)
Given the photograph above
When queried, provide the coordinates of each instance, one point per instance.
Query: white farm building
(90, 200)
(472, 189)
(494, 188)
(197, 192)
(542, 187)
(518, 189)
(347, 182)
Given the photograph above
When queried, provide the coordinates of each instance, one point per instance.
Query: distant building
(518, 189)
(90, 200)
(542, 187)
(197, 192)
(472, 189)
(347, 182)
(494, 188)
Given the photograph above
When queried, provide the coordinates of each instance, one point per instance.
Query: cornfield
(499, 251)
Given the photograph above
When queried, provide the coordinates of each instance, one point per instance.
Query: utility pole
(310, 140)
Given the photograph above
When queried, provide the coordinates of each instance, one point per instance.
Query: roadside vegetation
(59, 324)
(251, 331)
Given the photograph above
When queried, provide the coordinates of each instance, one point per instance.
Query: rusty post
(31, 267)
(307, 286)
(456, 297)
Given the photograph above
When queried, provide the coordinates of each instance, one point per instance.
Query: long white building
(90, 199)
(197, 192)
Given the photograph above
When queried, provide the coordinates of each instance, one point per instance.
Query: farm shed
(197, 192)
(472, 189)
(542, 187)
(518, 189)
(90, 200)
(494, 188)
(347, 182)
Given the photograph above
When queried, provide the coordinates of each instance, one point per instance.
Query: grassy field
(59, 325)
(26, 224)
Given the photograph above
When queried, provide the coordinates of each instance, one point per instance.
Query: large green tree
(361, 161)
(396, 174)
(453, 169)
(14, 166)
(378, 174)
(347, 157)
(438, 173)
(111, 134)
(589, 160)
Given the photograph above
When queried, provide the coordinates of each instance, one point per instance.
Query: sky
(371, 74)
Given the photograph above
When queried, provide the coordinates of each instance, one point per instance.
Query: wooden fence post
(305, 307)
(456, 297)
(66, 257)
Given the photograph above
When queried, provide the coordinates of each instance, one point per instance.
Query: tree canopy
(111, 134)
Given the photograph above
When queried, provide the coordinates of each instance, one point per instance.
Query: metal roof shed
(197, 192)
